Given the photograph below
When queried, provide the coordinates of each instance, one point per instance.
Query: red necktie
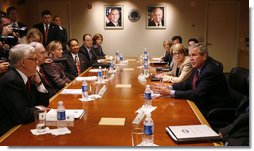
(43, 76)
(195, 79)
(28, 87)
(77, 64)
(46, 34)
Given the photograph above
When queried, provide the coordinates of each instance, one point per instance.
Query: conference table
(116, 102)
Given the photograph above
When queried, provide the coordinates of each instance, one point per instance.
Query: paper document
(76, 113)
(128, 69)
(90, 78)
(71, 91)
(192, 133)
(156, 59)
(123, 85)
(112, 121)
(131, 59)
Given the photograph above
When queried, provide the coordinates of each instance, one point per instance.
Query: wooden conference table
(115, 103)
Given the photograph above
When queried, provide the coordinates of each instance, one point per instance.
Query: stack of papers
(90, 78)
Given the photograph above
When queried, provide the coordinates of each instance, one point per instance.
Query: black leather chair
(219, 64)
(238, 82)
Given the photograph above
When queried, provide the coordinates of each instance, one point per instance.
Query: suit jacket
(111, 24)
(64, 37)
(211, 90)
(167, 57)
(71, 68)
(16, 105)
(184, 71)
(98, 51)
(152, 23)
(54, 32)
(55, 73)
(84, 51)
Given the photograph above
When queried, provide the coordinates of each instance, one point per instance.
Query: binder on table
(192, 133)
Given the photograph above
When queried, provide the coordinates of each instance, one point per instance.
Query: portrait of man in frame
(113, 17)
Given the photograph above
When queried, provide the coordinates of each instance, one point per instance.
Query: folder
(192, 133)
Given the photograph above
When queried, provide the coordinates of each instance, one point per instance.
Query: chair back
(219, 64)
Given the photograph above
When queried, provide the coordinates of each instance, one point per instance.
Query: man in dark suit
(156, 17)
(13, 15)
(41, 59)
(113, 18)
(88, 51)
(21, 89)
(78, 61)
(64, 37)
(50, 31)
(207, 86)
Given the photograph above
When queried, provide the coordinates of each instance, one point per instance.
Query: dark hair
(96, 36)
(56, 17)
(177, 37)
(73, 39)
(45, 12)
(9, 9)
(193, 39)
(85, 36)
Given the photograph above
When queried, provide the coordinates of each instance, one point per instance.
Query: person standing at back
(50, 31)
(64, 37)
(13, 15)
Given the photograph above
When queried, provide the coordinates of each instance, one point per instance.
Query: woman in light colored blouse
(181, 68)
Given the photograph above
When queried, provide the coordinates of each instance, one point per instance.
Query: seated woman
(33, 35)
(97, 41)
(181, 67)
(54, 70)
(167, 55)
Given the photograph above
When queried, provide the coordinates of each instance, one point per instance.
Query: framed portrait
(113, 17)
(156, 17)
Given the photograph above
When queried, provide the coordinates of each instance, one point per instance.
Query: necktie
(28, 87)
(43, 76)
(46, 34)
(90, 55)
(195, 79)
(77, 64)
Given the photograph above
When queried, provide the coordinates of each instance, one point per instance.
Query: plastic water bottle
(100, 78)
(148, 97)
(148, 137)
(111, 66)
(121, 57)
(84, 90)
(61, 115)
(145, 70)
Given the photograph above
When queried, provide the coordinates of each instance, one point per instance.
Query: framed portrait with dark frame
(113, 17)
(156, 17)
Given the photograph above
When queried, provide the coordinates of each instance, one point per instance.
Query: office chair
(219, 64)
(238, 82)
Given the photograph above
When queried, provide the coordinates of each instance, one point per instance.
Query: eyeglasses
(177, 53)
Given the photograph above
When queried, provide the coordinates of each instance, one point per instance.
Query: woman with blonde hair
(55, 70)
(167, 55)
(182, 68)
(33, 35)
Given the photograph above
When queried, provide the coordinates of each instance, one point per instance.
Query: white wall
(183, 17)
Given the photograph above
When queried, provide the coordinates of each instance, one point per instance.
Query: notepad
(71, 91)
(192, 133)
(131, 59)
(123, 85)
(112, 121)
(128, 69)
(75, 113)
(89, 78)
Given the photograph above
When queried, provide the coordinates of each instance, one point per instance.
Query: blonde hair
(177, 47)
(53, 45)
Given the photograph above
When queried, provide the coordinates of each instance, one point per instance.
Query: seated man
(207, 86)
(21, 89)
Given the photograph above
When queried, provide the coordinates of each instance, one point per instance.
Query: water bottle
(121, 57)
(145, 68)
(148, 97)
(111, 66)
(84, 90)
(148, 137)
(100, 78)
(61, 115)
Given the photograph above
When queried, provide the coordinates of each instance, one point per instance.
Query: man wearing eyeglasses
(21, 89)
